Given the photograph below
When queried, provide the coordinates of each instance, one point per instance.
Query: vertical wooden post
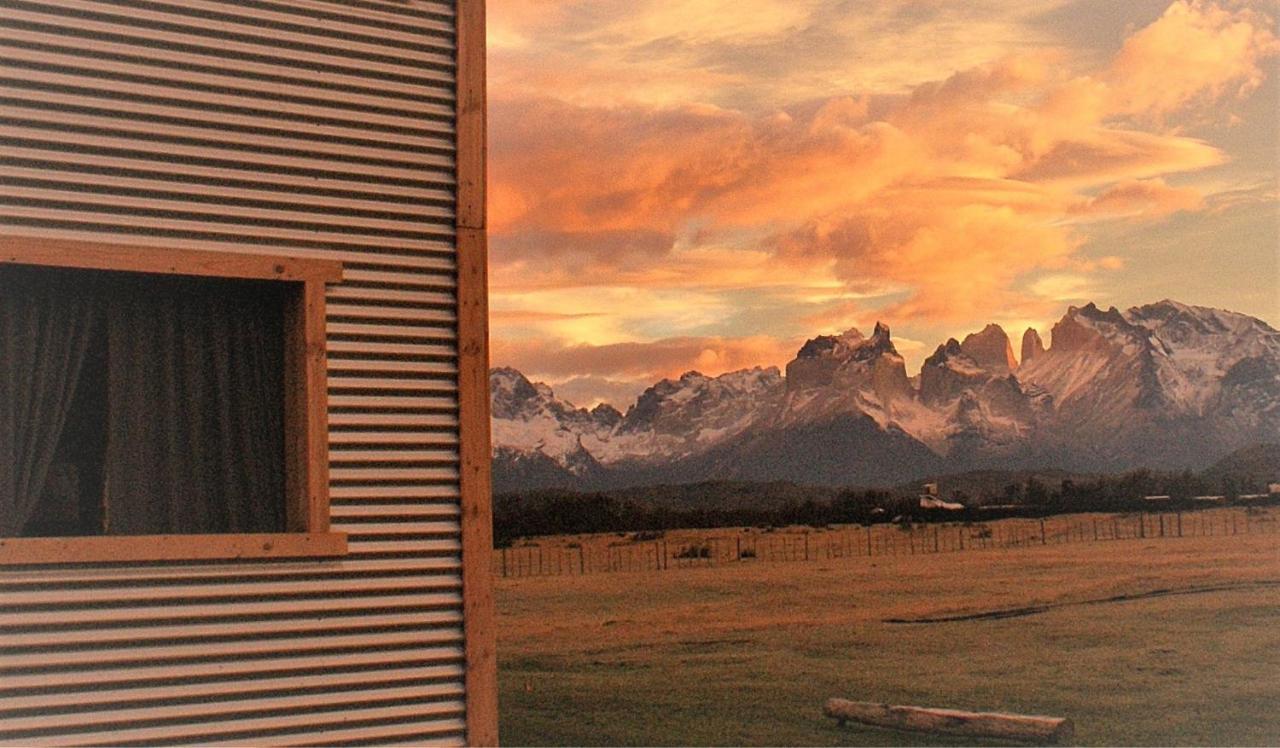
(935, 538)
(473, 379)
(1044, 540)
(739, 545)
(960, 535)
(868, 541)
(806, 546)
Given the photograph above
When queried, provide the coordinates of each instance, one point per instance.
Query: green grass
(746, 655)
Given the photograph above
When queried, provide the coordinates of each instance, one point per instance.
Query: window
(161, 404)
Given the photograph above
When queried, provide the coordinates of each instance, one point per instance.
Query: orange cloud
(1142, 198)
(945, 199)
(958, 262)
(1196, 52)
(643, 361)
(1103, 156)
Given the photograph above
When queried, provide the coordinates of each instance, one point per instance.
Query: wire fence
(683, 549)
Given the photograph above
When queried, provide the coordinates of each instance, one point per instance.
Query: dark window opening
(140, 404)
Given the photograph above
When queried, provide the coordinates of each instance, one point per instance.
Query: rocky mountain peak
(670, 405)
(1032, 345)
(511, 392)
(948, 372)
(837, 346)
(881, 340)
(606, 415)
(1165, 385)
(991, 349)
(1089, 327)
(819, 359)
(946, 352)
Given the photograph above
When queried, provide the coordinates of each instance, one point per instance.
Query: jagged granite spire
(1032, 345)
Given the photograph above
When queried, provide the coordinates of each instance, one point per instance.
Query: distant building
(1157, 498)
(929, 500)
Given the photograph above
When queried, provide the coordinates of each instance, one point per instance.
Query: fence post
(1043, 539)
(868, 541)
(806, 546)
(960, 535)
(739, 539)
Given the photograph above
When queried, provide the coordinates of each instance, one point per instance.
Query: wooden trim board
(134, 548)
(473, 382)
(24, 250)
(306, 412)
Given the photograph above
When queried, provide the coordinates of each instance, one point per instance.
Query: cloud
(656, 187)
(1139, 198)
(746, 54)
(968, 177)
(956, 262)
(644, 361)
(1196, 53)
(589, 391)
(1065, 287)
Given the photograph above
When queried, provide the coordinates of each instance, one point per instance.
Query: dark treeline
(557, 512)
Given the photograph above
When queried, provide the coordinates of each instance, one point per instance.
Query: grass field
(1139, 642)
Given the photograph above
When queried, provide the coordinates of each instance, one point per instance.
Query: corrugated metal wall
(303, 127)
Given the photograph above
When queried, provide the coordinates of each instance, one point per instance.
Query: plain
(1140, 642)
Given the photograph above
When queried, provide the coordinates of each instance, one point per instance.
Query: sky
(681, 185)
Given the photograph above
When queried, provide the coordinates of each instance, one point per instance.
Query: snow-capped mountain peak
(1161, 385)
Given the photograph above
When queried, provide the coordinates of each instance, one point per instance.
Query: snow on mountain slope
(529, 418)
(1166, 384)
(1162, 385)
(671, 419)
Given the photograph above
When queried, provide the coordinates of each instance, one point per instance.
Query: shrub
(647, 535)
(694, 551)
(747, 553)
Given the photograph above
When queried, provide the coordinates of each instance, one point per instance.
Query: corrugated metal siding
(302, 127)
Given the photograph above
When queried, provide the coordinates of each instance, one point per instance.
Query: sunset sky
(704, 184)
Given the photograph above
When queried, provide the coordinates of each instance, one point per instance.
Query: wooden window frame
(306, 458)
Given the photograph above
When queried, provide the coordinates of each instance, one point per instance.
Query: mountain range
(1162, 386)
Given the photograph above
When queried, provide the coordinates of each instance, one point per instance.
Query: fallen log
(1020, 727)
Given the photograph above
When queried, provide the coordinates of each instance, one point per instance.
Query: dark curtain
(195, 434)
(46, 325)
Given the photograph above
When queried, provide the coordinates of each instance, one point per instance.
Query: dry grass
(747, 654)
